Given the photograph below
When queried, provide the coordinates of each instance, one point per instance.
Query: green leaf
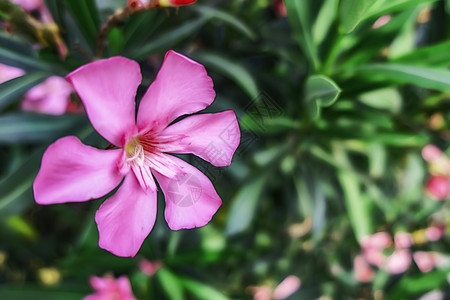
(324, 20)
(33, 292)
(168, 39)
(202, 291)
(382, 7)
(212, 13)
(13, 89)
(231, 69)
(320, 91)
(387, 99)
(37, 128)
(355, 201)
(115, 41)
(86, 16)
(436, 55)
(298, 14)
(244, 206)
(171, 284)
(352, 12)
(430, 78)
(15, 187)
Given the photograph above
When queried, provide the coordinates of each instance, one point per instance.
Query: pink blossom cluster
(438, 183)
(396, 256)
(49, 97)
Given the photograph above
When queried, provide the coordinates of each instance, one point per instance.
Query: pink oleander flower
(73, 172)
(109, 288)
(9, 72)
(361, 269)
(438, 187)
(149, 268)
(50, 97)
(399, 261)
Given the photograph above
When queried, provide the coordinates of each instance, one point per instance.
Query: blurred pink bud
(403, 240)
(438, 187)
(361, 270)
(424, 261)
(9, 72)
(50, 97)
(261, 293)
(379, 240)
(431, 153)
(399, 261)
(374, 257)
(29, 4)
(136, 4)
(434, 233)
(381, 21)
(149, 268)
(280, 8)
(286, 288)
(110, 288)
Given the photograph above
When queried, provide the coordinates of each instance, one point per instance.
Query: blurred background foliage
(336, 100)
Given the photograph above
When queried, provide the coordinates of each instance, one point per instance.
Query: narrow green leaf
(436, 55)
(320, 91)
(430, 78)
(14, 186)
(231, 69)
(115, 41)
(33, 292)
(324, 20)
(298, 14)
(244, 206)
(86, 16)
(356, 207)
(229, 19)
(13, 89)
(37, 128)
(202, 291)
(21, 58)
(171, 284)
(352, 12)
(383, 7)
(167, 39)
(387, 99)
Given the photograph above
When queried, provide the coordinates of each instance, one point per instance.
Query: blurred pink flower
(109, 288)
(361, 269)
(149, 268)
(381, 21)
(29, 4)
(438, 187)
(9, 72)
(379, 240)
(74, 172)
(424, 261)
(403, 240)
(285, 289)
(280, 8)
(434, 233)
(50, 97)
(375, 257)
(431, 153)
(398, 262)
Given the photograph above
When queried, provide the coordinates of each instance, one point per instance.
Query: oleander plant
(224, 149)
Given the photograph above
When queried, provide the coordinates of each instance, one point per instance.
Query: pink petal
(287, 287)
(361, 269)
(9, 72)
(181, 87)
(50, 97)
(73, 172)
(108, 89)
(191, 199)
(213, 137)
(29, 4)
(399, 261)
(126, 219)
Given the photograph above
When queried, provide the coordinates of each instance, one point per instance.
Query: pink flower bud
(431, 153)
(375, 257)
(148, 267)
(399, 261)
(110, 288)
(424, 261)
(361, 270)
(403, 240)
(379, 240)
(438, 187)
(434, 233)
(286, 288)
(9, 72)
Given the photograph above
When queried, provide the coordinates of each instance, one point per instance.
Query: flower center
(144, 154)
